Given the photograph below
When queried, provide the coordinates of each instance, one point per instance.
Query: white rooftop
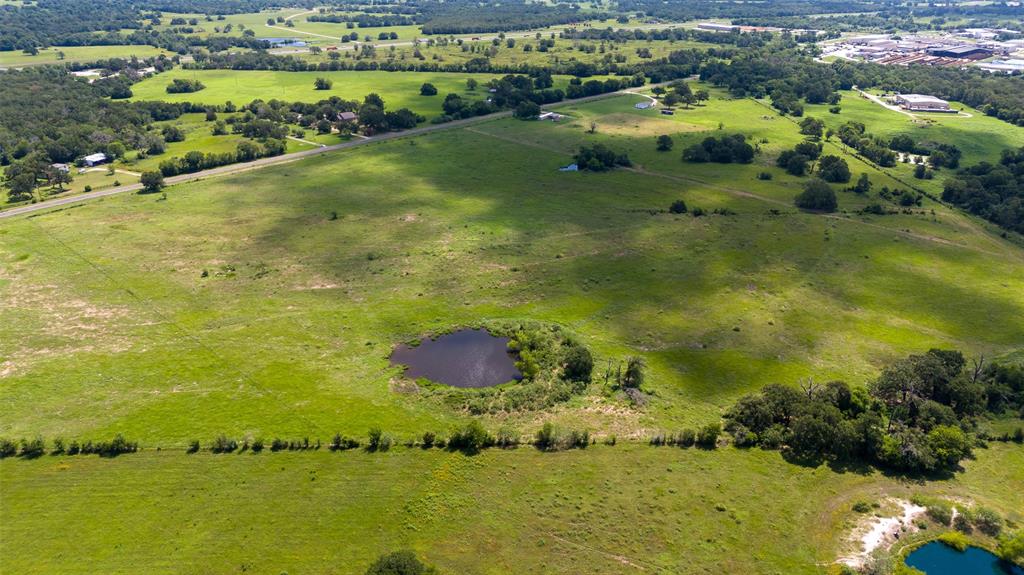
(921, 99)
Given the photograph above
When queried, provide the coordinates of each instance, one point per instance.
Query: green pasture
(266, 303)
(399, 89)
(613, 509)
(76, 54)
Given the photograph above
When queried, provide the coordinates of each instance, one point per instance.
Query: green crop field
(76, 54)
(266, 304)
(399, 90)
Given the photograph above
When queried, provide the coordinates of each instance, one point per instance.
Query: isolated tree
(399, 563)
(579, 364)
(665, 143)
(702, 95)
(471, 84)
(428, 89)
(677, 207)
(152, 181)
(818, 196)
(634, 375)
(322, 84)
(863, 185)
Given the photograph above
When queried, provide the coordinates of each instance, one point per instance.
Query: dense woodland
(465, 17)
(992, 191)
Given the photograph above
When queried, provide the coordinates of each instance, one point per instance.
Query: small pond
(465, 358)
(940, 559)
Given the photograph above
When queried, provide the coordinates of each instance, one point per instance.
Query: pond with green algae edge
(469, 358)
(937, 558)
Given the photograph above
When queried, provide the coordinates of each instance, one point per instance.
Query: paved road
(285, 158)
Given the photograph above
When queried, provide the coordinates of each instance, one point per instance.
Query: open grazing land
(493, 288)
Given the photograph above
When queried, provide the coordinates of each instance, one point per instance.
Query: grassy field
(76, 54)
(399, 90)
(474, 223)
(266, 304)
(620, 509)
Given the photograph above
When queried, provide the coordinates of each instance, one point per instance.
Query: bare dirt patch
(874, 533)
(637, 125)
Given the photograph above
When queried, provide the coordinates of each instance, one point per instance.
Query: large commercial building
(965, 52)
(922, 103)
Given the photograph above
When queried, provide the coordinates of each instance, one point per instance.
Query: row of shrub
(471, 438)
(32, 448)
(705, 437)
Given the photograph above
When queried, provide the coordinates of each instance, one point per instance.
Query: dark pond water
(466, 358)
(939, 559)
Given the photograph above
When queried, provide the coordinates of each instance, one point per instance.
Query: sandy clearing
(881, 532)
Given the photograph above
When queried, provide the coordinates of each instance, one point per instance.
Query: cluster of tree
(600, 158)
(680, 92)
(877, 150)
(992, 191)
(46, 23)
(904, 197)
(467, 16)
(683, 11)
(195, 161)
(727, 149)
(622, 35)
(917, 416)
(940, 155)
(184, 86)
(30, 26)
(779, 70)
(32, 448)
(580, 89)
(261, 60)
(365, 20)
